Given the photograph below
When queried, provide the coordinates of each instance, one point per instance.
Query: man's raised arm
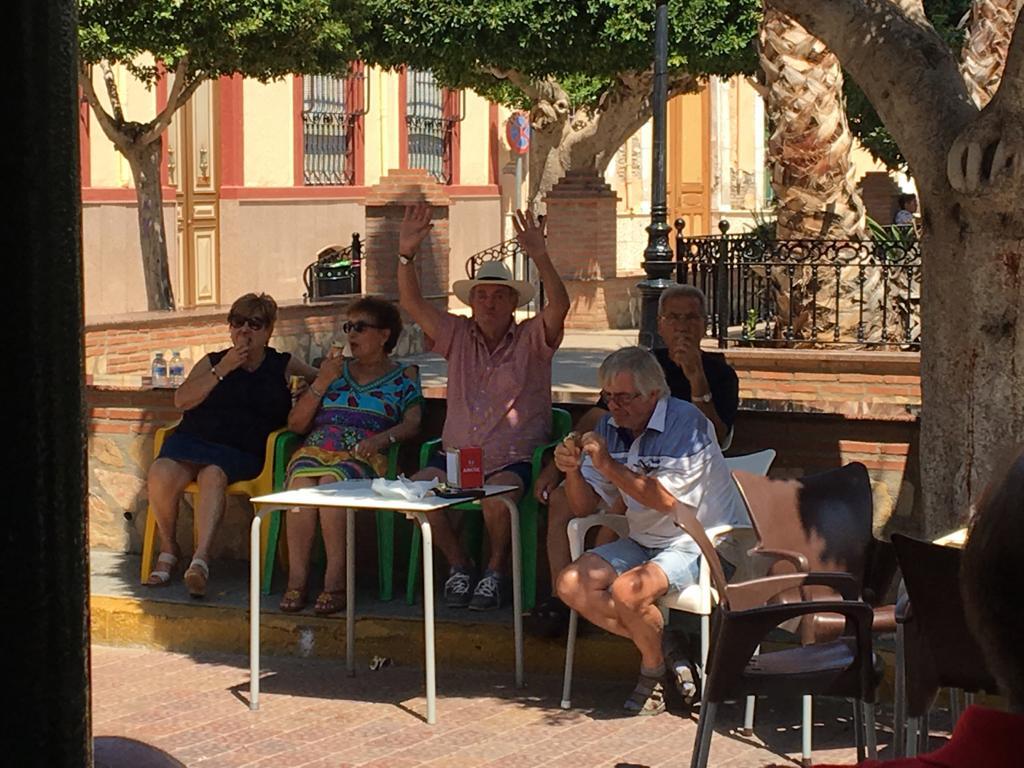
(414, 229)
(530, 235)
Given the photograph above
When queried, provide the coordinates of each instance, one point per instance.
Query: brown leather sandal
(330, 601)
(293, 600)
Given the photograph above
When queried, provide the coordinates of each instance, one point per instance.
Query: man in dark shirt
(702, 378)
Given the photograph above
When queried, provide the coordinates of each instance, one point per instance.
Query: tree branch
(903, 66)
(181, 91)
(111, 127)
(112, 94)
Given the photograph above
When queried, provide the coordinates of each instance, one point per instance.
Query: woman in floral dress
(353, 412)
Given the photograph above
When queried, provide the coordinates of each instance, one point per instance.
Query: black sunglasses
(358, 326)
(254, 323)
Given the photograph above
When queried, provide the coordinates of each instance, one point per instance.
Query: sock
(657, 673)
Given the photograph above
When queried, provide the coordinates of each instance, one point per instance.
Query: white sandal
(196, 577)
(162, 578)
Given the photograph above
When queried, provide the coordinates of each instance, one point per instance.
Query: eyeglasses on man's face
(254, 323)
(358, 326)
(677, 319)
(621, 399)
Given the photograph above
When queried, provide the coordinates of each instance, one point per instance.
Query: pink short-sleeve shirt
(501, 400)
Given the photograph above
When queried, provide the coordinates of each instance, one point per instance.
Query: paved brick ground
(312, 715)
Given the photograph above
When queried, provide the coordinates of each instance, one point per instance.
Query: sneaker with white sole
(458, 590)
(487, 595)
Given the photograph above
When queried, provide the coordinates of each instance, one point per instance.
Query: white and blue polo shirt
(679, 448)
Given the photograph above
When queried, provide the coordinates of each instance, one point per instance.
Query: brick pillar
(385, 206)
(581, 222)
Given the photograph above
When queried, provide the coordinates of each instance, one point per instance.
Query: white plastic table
(356, 495)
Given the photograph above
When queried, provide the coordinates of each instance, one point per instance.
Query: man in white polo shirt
(649, 453)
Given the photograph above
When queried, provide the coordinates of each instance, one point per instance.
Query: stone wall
(119, 350)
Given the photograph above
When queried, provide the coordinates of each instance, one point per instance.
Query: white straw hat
(491, 273)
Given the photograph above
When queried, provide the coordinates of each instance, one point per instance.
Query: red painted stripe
(232, 131)
(293, 193)
(297, 146)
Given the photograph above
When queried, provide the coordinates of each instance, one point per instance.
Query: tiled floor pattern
(196, 708)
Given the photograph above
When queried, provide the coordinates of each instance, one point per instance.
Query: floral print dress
(350, 412)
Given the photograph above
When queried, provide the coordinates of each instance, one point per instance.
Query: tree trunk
(563, 139)
(988, 40)
(972, 366)
(809, 151)
(144, 160)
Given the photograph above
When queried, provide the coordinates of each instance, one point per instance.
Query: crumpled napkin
(402, 488)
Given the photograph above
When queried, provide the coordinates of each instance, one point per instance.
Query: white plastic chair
(699, 598)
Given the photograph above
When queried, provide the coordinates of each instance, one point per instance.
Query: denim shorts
(680, 562)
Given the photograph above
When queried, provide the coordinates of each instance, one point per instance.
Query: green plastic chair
(285, 447)
(561, 423)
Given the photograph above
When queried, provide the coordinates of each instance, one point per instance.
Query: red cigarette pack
(471, 467)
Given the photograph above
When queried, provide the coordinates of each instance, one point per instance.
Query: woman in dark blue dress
(232, 400)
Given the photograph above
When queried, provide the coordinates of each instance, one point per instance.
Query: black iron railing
(766, 292)
(515, 258)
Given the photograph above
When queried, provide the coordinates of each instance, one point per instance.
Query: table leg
(428, 615)
(254, 610)
(350, 592)
(517, 587)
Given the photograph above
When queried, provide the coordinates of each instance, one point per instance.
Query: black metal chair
(938, 650)
(747, 614)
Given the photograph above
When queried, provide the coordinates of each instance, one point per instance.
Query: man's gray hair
(683, 291)
(648, 375)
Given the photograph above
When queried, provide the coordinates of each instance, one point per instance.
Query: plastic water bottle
(159, 370)
(177, 369)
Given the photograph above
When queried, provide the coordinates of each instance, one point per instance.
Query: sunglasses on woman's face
(358, 326)
(254, 323)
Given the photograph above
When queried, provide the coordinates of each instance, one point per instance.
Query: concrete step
(126, 613)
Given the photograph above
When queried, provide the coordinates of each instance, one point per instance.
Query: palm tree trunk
(813, 177)
(988, 40)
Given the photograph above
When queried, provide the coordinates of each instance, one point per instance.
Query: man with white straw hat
(499, 386)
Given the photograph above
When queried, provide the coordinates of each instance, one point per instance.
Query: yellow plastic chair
(280, 444)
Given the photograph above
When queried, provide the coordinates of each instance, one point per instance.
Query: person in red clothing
(984, 737)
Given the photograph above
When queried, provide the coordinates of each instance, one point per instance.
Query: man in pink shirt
(499, 386)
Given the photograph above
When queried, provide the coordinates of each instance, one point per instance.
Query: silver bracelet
(315, 391)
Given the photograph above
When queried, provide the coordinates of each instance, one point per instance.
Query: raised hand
(414, 228)
(529, 233)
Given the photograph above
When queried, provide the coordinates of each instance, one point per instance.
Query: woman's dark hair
(904, 198)
(384, 313)
(990, 578)
(258, 305)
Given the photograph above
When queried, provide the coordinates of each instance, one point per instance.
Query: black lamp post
(657, 255)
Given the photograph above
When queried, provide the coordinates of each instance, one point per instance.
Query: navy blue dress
(230, 427)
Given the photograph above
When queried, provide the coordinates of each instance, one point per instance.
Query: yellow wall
(381, 124)
(269, 128)
(475, 144)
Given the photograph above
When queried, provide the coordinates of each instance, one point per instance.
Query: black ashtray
(448, 492)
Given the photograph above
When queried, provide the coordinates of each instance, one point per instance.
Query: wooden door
(689, 161)
(192, 170)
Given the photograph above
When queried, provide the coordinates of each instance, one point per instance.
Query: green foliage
(865, 124)
(582, 43)
(261, 39)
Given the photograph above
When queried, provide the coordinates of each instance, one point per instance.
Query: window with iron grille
(430, 119)
(331, 110)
